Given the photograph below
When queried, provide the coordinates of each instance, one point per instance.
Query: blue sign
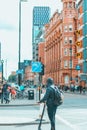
(0, 67)
(78, 67)
(36, 67)
(19, 71)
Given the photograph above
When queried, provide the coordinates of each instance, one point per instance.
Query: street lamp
(19, 52)
(70, 64)
(1, 66)
(2, 61)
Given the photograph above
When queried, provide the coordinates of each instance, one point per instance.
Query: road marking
(15, 120)
(79, 124)
(67, 123)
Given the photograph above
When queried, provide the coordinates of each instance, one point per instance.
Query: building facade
(82, 39)
(41, 51)
(60, 45)
(41, 17)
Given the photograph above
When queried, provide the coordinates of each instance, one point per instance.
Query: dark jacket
(48, 97)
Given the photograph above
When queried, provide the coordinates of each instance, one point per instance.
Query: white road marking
(83, 123)
(74, 127)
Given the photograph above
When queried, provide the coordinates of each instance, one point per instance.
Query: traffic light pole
(40, 85)
(2, 81)
(70, 64)
(19, 75)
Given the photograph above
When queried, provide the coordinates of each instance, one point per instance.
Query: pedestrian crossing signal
(79, 55)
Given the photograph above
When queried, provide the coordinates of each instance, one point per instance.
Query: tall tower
(41, 16)
(69, 14)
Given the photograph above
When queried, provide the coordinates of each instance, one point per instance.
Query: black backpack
(58, 97)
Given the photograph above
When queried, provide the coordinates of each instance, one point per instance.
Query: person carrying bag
(49, 99)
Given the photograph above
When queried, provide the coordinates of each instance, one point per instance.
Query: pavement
(15, 117)
(19, 102)
(11, 117)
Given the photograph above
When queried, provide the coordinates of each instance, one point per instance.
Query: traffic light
(42, 69)
(79, 55)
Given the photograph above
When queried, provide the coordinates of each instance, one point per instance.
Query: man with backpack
(49, 98)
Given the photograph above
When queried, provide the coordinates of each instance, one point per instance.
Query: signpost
(36, 67)
(19, 71)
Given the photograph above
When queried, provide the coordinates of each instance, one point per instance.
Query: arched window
(66, 79)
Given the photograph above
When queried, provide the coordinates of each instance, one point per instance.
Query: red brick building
(60, 45)
(41, 51)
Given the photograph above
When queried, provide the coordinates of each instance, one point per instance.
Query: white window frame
(71, 39)
(65, 52)
(65, 28)
(65, 63)
(70, 28)
(65, 40)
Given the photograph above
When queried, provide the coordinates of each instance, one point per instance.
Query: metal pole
(70, 64)
(19, 75)
(2, 81)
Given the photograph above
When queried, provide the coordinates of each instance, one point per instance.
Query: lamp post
(2, 70)
(70, 65)
(19, 52)
(2, 61)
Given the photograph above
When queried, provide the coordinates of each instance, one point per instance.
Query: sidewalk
(20, 117)
(20, 102)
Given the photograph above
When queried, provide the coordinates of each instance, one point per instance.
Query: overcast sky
(9, 22)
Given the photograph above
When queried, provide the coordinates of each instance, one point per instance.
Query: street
(72, 115)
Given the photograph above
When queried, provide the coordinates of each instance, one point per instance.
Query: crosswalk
(75, 119)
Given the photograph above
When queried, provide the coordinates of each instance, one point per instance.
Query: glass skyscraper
(41, 16)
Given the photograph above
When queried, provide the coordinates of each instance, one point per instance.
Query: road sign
(78, 67)
(36, 67)
(0, 67)
(19, 71)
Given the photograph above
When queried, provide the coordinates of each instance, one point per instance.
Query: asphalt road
(72, 115)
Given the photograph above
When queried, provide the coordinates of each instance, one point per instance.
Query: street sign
(0, 67)
(78, 67)
(36, 67)
(19, 71)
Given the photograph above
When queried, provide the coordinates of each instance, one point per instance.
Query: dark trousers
(51, 114)
(6, 96)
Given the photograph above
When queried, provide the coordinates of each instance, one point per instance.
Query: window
(70, 28)
(65, 51)
(65, 40)
(70, 51)
(66, 79)
(70, 5)
(65, 63)
(65, 29)
(70, 40)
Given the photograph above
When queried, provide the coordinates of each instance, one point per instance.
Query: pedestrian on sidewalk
(6, 92)
(49, 99)
(1, 92)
